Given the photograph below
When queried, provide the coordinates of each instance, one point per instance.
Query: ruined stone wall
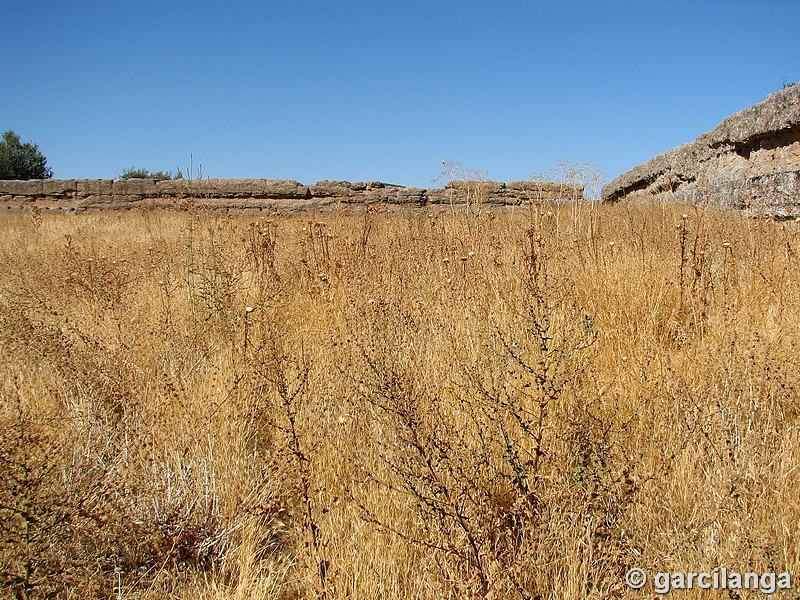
(76, 195)
(751, 161)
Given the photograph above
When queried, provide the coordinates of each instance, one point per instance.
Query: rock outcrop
(750, 161)
(77, 195)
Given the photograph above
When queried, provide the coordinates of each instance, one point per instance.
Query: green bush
(21, 161)
(134, 173)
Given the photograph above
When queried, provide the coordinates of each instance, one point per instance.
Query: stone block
(171, 187)
(59, 187)
(134, 186)
(330, 189)
(30, 187)
(407, 195)
(282, 189)
(91, 187)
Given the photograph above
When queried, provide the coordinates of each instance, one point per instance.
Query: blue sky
(367, 90)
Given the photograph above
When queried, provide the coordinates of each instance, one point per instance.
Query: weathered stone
(172, 187)
(284, 189)
(92, 187)
(373, 195)
(30, 187)
(134, 187)
(539, 191)
(59, 187)
(775, 195)
(327, 189)
(91, 199)
(464, 185)
(741, 153)
(240, 188)
(543, 186)
(435, 196)
(406, 195)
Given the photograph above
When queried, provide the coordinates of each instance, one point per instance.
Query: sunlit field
(415, 403)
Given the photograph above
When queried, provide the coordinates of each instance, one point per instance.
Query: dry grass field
(404, 404)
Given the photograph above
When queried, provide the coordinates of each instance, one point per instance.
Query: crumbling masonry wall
(77, 195)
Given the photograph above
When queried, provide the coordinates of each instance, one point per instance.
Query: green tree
(21, 161)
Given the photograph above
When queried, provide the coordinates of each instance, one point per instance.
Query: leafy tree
(134, 173)
(21, 161)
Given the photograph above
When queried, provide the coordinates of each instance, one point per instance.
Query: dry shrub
(405, 403)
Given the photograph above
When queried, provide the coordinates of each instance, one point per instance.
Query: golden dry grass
(416, 403)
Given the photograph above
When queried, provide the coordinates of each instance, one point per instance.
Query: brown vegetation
(422, 403)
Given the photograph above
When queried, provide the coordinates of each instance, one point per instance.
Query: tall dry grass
(522, 403)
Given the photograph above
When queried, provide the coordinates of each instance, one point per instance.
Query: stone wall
(750, 161)
(76, 195)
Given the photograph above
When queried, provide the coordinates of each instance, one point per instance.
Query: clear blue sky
(363, 90)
